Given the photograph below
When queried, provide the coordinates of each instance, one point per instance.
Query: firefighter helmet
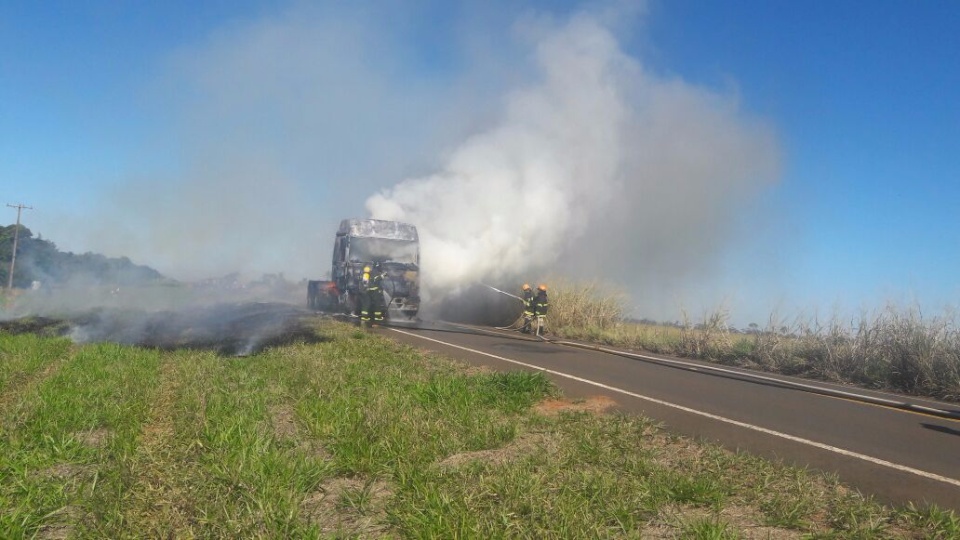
(526, 287)
(366, 269)
(542, 288)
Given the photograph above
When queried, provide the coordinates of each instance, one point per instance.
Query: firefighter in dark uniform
(526, 293)
(377, 304)
(365, 297)
(540, 305)
(372, 305)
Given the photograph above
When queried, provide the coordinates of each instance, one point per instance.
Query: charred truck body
(362, 242)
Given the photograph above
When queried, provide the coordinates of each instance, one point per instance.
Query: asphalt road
(895, 448)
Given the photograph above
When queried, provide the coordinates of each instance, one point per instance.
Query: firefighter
(377, 304)
(365, 297)
(526, 293)
(540, 305)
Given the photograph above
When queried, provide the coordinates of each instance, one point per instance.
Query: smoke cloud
(531, 146)
(268, 132)
(600, 167)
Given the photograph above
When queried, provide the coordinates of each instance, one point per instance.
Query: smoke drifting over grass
(530, 144)
(230, 329)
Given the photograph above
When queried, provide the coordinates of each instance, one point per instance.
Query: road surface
(895, 448)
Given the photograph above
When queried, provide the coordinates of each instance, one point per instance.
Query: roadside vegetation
(895, 349)
(355, 436)
(39, 260)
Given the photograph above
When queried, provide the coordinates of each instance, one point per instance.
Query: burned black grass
(238, 329)
(42, 326)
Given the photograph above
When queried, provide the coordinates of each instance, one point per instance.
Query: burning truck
(362, 242)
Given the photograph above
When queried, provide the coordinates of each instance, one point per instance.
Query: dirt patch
(349, 507)
(744, 519)
(595, 404)
(72, 478)
(69, 471)
(525, 445)
(672, 522)
(96, 438)
(316, 450)
(61, 523)
(473, 371)
(284, 422)
(530, 443)
(676, 452)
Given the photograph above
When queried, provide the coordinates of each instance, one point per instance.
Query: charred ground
(229, 329)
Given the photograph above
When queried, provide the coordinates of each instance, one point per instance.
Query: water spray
(502, 292)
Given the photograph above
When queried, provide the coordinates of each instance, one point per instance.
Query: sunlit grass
(357, 436)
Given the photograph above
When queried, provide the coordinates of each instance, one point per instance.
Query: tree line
(39, 260)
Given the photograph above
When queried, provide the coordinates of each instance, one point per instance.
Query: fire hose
(521, 321)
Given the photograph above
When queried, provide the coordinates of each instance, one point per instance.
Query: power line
(16, 236)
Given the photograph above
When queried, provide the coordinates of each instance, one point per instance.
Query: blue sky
(861, 96)
(112, 114)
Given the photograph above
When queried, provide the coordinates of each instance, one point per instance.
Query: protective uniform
(365, 297)
(375, 290)
(540, 305)
(371, 296)
(527, 299)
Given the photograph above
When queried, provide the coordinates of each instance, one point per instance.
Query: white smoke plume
(538, 146)
(600, 166)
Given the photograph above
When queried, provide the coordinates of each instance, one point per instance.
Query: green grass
(24, 355)
(357, 436)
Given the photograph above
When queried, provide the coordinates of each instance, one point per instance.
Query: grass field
(356, 436)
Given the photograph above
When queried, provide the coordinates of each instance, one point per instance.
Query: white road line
(823, 390)
(785, 382)
(822, 446)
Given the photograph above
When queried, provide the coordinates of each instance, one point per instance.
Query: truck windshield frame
(370, 249)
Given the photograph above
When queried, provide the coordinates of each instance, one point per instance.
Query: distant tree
(40, 260)
(7, 236)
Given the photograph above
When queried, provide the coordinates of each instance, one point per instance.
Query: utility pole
(16, 237)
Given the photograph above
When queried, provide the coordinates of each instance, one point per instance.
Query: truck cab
(362, 242)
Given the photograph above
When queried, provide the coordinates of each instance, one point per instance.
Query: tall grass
(589, 308)
(895, 348)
